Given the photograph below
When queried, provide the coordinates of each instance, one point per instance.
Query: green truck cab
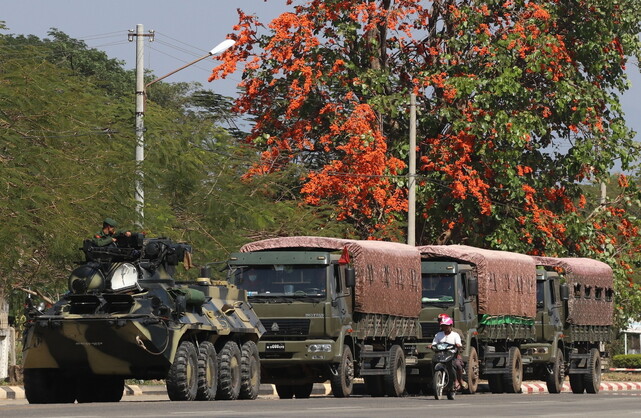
(449, 288)
(320, 323)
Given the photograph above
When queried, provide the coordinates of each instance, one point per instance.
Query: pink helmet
(446, 320)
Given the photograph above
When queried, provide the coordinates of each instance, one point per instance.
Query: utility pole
(140, 125)
(411, 201)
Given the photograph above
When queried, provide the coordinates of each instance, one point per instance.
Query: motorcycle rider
(451, 337)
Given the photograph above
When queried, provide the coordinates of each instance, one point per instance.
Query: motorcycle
(444, 374)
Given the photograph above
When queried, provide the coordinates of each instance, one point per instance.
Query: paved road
(620, 404)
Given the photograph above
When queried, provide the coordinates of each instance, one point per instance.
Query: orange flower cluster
(451, 155)
(359, 182)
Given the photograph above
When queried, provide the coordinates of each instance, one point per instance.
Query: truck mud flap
(579, 363)
(495, 363)
(374, 363)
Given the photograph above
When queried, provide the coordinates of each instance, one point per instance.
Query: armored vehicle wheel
(343, 381)
(395, 380)
(229, 372)
(46, 386)
(592, 380)
(496, 383)
(514, 376)
(303, 391)
(285, 391)
(374, 386)
(249, 371)
(182, 382)
(207, 372)
(576, 383)
(99, 389)
(110, 388)
(555, 379)
(472, 372)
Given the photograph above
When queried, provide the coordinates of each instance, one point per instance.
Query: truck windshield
(438, 289)
(282, 280)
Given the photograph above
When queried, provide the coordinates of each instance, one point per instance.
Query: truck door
(555, 305)
(541, 314)
(341, 295)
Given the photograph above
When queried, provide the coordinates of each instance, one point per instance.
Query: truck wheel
(207, 372)
(514, 376)
(229, 372)
(374, 386)
(555, 379)
(249, 371)
(592, 380)
(182, 377)
(343, 381)
(472, 372)
(576, 383)
(303, 391)
(496, 383)
(395, 380)
(285, 391)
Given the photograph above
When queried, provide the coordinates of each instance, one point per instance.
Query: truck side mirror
(565, 291)
(350, 277)
(472, 286)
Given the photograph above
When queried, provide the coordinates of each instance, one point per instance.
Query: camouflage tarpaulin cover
(591, 274)
(387, 273)
(507, 281)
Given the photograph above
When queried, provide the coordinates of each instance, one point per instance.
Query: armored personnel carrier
(126, 317)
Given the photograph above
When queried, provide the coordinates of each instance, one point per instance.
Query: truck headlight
(319, 348)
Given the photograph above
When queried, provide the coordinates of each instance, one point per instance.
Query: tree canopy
(518, 107)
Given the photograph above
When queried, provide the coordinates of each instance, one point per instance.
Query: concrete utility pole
(140, 126)
(411, 201)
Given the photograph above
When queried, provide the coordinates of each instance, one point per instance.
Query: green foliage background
(67, 147)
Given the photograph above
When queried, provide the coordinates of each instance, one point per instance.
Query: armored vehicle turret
(126, 317)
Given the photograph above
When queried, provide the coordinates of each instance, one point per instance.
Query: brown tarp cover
(588, 273)
(387, 273)
(507, 281)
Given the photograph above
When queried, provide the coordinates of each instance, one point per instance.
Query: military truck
(491, 295)
(573, 321)
(334, 310)
(126, 317)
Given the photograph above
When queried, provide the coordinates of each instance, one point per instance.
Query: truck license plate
(275, 347)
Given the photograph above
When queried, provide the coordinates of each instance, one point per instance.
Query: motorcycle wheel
(438, 384)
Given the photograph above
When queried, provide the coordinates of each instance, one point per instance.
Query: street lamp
(141, 94)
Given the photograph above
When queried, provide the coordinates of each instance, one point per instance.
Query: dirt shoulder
(620, 377)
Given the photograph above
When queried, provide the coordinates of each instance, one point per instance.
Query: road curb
(324, 389)
(605, 387)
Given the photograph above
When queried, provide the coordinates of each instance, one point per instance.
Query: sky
(184, 30)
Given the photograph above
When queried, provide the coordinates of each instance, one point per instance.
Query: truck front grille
(429, 329)
(285, 327)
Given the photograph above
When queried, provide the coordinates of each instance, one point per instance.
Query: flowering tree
(518, 105)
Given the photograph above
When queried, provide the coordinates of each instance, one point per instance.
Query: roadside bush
(627, 361)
